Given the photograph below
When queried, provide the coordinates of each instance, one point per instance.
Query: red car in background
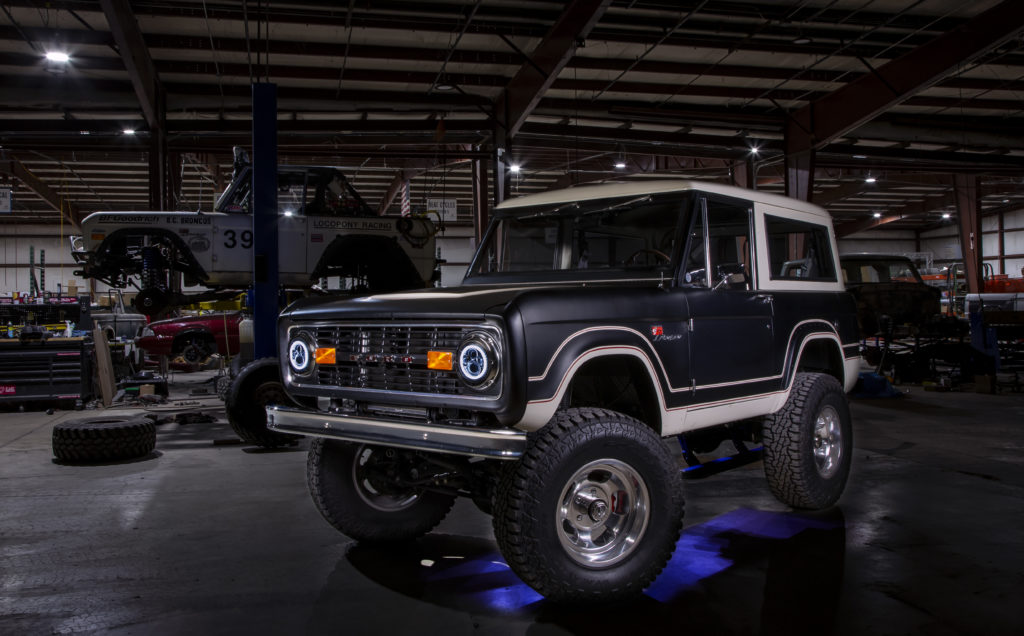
(193, 338)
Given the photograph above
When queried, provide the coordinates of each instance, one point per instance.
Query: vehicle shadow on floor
(746, 571)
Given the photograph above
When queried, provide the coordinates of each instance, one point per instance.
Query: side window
(722, 229)
(290, 198)
(799, 250)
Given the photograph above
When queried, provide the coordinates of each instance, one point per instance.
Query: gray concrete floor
(207, 536)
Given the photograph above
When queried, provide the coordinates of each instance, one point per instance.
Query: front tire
(257, 386)
(808, 444)
(351, 488)
(593, 509)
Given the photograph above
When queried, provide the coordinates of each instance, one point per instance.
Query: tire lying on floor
(104, 438)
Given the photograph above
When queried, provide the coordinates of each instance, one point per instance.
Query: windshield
(634, 234)
(880, 271)
(300, 191)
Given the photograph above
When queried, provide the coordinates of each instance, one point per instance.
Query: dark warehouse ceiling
(906, 93)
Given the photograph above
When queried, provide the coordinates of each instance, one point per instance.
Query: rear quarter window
(798, 250)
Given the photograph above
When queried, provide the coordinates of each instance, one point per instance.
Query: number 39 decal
(245, 238)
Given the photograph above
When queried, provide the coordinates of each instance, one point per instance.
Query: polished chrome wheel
(828, 442)
(602, 513)
(369, 474)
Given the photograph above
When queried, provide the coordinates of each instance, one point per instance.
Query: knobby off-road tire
(593, 509)
(257, 385)
(359, 504)
(104, 438)
(808, 444)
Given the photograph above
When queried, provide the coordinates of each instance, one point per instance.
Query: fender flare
(804, 333)
(591, 343)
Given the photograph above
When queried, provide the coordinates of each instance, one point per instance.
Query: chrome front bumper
(477, 442)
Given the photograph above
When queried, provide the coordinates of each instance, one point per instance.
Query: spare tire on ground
(256, 386)
(104, 438)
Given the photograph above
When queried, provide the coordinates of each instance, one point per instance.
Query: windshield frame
(684, 201)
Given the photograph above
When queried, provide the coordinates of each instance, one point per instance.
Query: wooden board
(104, 367)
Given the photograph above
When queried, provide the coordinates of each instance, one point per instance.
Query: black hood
(467, 301)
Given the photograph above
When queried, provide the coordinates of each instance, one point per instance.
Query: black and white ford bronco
(592, 323)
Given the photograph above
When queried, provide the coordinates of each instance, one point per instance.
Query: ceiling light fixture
(754, 150)
(870, 179)
(620, 164)
(946, 215)
(129, 131)
(860, 156)
(514, 168)
(877, 215)
(57, 62)
(802, 39)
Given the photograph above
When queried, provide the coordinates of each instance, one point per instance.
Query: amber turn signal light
(325, 355)
(439, 360)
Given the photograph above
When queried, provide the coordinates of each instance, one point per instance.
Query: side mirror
(731, 276)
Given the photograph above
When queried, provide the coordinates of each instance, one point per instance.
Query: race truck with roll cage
(592, 324)
(325, 229)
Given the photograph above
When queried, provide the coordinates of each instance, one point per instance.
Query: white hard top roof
(651, 186)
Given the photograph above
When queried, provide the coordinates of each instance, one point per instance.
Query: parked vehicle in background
(193, 338)
(592, 323)
(325, 230)
(116, 321)
(892, 299)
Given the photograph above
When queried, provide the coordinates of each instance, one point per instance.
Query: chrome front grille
(388, 357)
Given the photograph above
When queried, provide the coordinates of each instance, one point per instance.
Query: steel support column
(264, 219)
(480, 203)
(968, 207)
(499, 176)
(1002, 242)
(159, 188)
(799, 174)
(742, 174)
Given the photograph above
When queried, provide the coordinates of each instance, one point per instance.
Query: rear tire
(808, 443)
(345, 482)
(593, 509)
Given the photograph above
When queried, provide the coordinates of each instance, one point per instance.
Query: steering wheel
(657, 253)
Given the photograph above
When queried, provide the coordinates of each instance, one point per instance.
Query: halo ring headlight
(300, 355)
(477, 361)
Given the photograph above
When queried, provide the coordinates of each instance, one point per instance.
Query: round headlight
(477, 361)
(300, 357)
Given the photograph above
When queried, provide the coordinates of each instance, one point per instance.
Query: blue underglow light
(699, 553)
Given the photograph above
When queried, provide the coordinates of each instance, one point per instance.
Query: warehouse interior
(902, 119)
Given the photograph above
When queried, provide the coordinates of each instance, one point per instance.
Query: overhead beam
(917, 208)
(142, 73)
(135, 55)
(836, 114)
(66, 209)
(534, 77)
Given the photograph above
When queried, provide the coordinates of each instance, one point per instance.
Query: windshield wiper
(551, 212)
(618, 206)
